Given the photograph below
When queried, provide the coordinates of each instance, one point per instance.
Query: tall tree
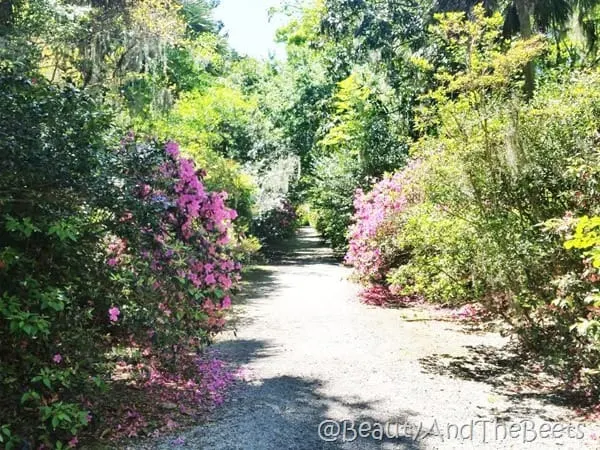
(524, 10)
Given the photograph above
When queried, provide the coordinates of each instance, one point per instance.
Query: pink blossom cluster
(116, 249)
(373, 210)
(186, 248)
(113, 314)
(202, 221)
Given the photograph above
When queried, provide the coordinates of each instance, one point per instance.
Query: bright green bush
(500, 168)
(442, 265)
(572, 316)
(494, 169)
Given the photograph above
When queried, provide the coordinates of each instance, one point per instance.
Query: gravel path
(311, 352)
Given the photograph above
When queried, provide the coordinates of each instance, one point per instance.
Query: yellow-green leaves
(476, 44)
(587, 236)
(351, 106)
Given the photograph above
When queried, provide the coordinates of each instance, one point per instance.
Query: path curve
(312, 351)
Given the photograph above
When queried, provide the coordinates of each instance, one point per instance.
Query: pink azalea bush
(184, 271)
(373, 250)
(377, 220)
(182, 253)
(145, 272)
(375, 211)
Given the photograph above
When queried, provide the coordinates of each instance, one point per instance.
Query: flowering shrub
(107, 258)
(181, 252)
(377, 221)
(375, 211)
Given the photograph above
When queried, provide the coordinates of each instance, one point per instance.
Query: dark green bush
(275, 224)
(103, 248)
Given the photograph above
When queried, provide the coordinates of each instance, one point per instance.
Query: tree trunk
(524, 11)
(6, 15)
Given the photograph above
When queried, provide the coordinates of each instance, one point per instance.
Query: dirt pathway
(311, 352)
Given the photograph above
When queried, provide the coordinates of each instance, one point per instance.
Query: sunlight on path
(309, 351)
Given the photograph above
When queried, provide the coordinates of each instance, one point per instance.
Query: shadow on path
(277, 414)
(510, 373)
(273, 407)
(304, 249)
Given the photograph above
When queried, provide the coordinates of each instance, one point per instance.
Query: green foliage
(276, 223)
(50, 195)
(586, 237)
(332, 191)
(443, 265)
(491, 167)
(504, 193)
(361, 141)
(494, 168)
(81, 234)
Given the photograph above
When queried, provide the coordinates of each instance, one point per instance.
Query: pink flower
(210, 279)
(113, 314)
(144, 190)
(208, 305)
(73, 442)
(375, 213)
(226, 303)
(225, 281)
(57, 358)
(112, 262)
(165, 309)
(172, 149)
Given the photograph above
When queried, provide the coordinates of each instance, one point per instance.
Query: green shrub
(275, 224)
(332, 193)
(103, 249)
(496, 169)
(442, 265)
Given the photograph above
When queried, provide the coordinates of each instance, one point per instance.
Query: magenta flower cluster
(186, 250)
(373, 212)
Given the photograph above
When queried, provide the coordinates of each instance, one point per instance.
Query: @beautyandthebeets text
(479, 430)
